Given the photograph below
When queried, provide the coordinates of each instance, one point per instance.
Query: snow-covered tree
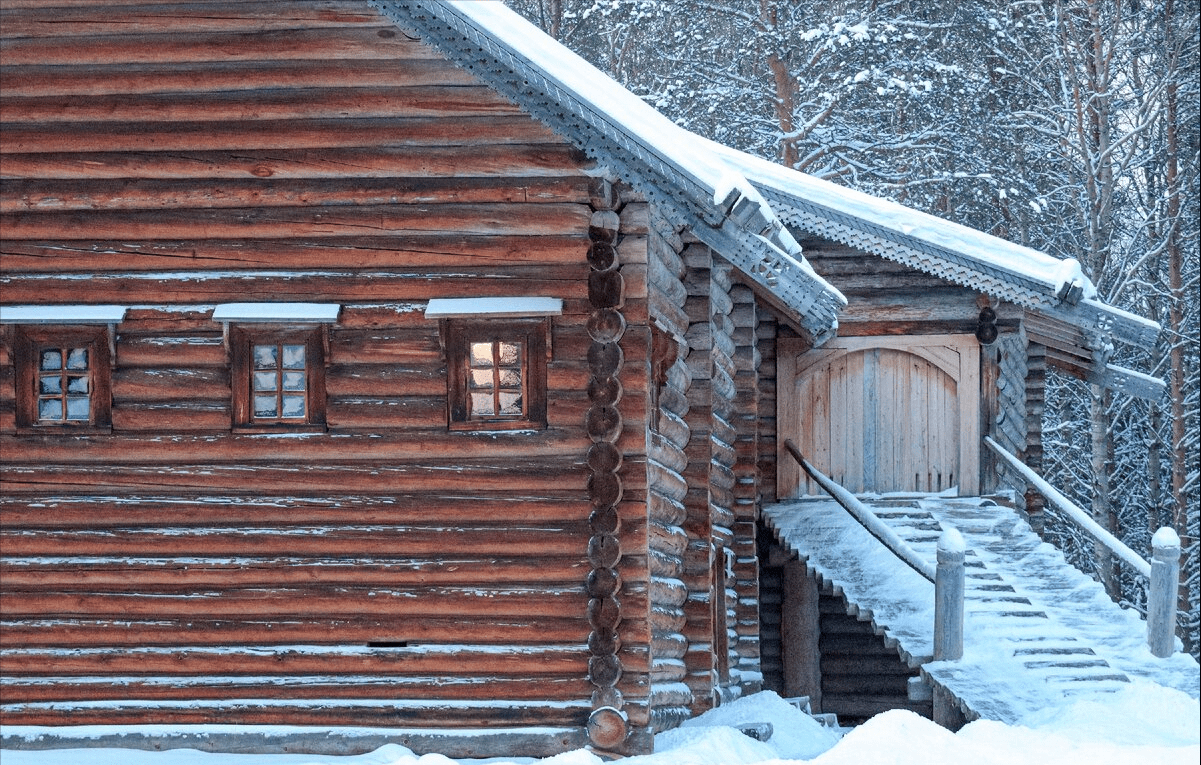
(1067, 125)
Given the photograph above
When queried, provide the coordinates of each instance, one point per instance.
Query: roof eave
(757, 244)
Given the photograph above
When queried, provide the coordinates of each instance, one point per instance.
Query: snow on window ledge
(291, 313)
(62, 314)
(493, 307)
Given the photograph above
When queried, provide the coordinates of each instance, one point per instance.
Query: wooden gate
(882, 414)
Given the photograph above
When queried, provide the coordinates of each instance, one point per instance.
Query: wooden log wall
(668, 441)
(744, 319)
(386, 571)
(828, 655)
(700, 557)
(609, 724)
(888, 298)
(767, 333)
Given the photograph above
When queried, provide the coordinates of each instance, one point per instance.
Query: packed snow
(1140, 724)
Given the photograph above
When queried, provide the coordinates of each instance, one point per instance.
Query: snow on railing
(862, 513)
(948, 576)
(1163, 573)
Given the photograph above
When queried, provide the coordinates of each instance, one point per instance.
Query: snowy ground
(1140, 725)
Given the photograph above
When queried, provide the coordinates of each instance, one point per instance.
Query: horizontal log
(538, 160)
(267, 104)
(79, 195)
(225, 76)
(437, 449)
(202, 17)
(384, 713)
(167, 574)
(47, 511)
(173, 417)
(264, 223)
(859, 707)
(865, 684)
(170, 384)
(172, 351)
(302, 602)
(88, 632)
(216, 287)
(291, 688)
(459, 661)
(491, 132)
(296, 541)
(865, 665)
(380, 42)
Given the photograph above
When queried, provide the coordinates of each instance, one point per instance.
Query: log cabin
(381, 371)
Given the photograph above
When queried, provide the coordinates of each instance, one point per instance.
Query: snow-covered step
(1037, 631)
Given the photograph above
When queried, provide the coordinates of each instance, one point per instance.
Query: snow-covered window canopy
(493, 307)
(278, 313)
(62, 314)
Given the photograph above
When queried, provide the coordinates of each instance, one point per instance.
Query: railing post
(1161, 598)
(948, 597)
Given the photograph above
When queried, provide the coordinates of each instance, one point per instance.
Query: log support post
(1161, 599)
(800, 631)
(948, 597)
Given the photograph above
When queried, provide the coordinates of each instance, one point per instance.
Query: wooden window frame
(459, 334)
(28, 343)
(241, 368)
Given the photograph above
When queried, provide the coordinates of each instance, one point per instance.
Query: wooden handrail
(1163, 575)
(1068, 508)
(863, 514)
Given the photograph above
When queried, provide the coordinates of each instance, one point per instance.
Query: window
(277, 376)
(496, 374)
(63, 376)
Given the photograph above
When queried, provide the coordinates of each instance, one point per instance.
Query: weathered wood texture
(860, 675)
(813, 647)
(383, 571)
(884, 413)
(668, 488)
(744, 319)
(888, 298)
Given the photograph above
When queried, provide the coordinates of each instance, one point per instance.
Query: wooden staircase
(1038, 633)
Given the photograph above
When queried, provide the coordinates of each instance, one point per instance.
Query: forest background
(1069, 126)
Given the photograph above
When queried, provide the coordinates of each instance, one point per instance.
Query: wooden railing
(947, 576)
(1163, 572)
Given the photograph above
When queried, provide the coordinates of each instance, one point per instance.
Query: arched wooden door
(882, 414)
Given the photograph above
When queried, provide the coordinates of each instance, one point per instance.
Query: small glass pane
(50, 409)
(481, 354)
(77, 385)
(78, 407)
(264, 357)
(51, 384)
(510, 403)
(510, 354)
(77, 358)
(481, 404)
(293, 406)
(265, 380)
(510, 378)
(481, 378)
(293, 380)
(265, 406)
(52, 359)
(293, 357)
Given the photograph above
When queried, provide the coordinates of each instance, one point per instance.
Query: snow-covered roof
(304, 313)
(513, 307)
(741, 205)
(664, 162)
(62, 314)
